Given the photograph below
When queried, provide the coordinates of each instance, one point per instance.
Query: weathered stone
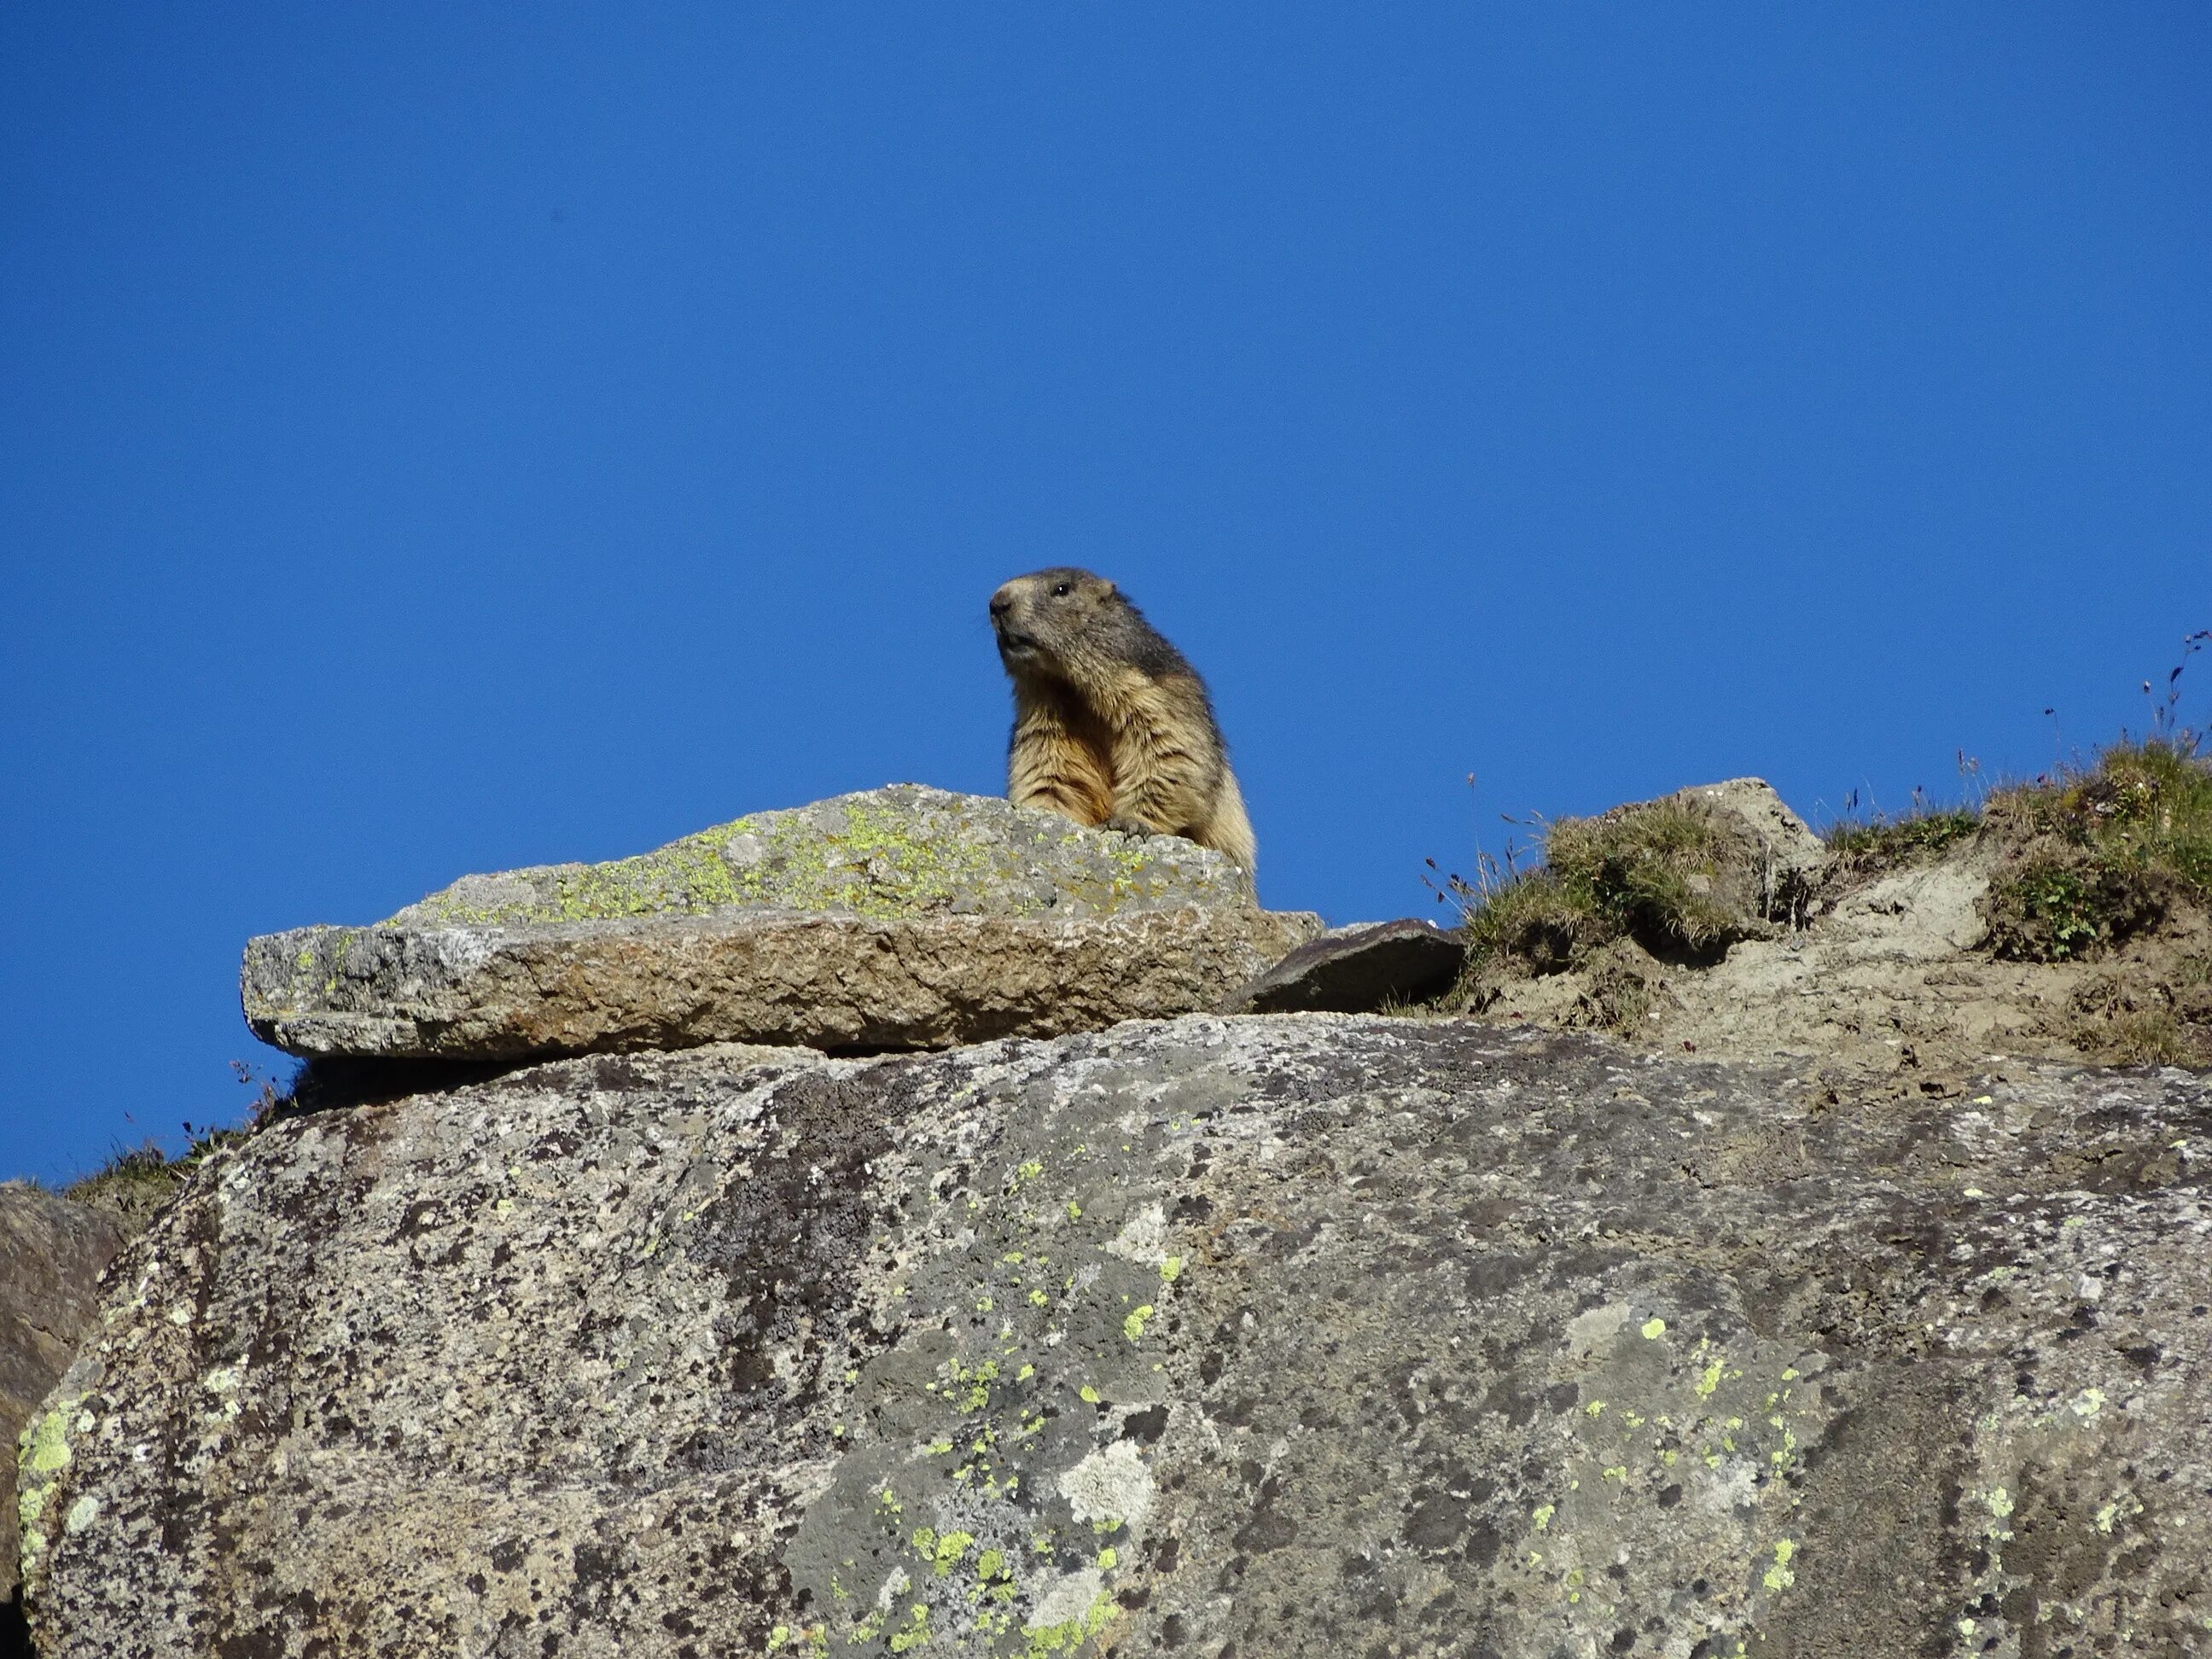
(51, 1252)
(1790, 857)
(1356, 970)
(1318, 1337)
(906, 917)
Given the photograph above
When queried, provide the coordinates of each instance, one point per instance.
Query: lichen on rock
(903, 918)
(1305, 1336)
(900, 852)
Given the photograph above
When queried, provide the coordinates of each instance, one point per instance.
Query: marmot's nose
(1001, 603)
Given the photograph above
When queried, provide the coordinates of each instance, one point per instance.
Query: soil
(1888, 983)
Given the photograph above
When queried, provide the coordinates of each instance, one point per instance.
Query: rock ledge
(901, 918)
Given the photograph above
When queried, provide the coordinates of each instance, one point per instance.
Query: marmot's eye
(1062, 590)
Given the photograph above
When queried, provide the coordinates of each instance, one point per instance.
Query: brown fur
(1111, 725)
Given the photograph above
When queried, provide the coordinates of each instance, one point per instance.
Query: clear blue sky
(438, 438)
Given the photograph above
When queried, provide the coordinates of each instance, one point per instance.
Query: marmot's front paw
(1127, 825)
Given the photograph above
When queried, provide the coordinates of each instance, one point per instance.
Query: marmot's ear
(1106, 588)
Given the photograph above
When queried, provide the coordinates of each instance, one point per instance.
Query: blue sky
(438, 438)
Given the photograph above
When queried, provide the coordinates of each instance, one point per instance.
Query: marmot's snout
(1013, 640)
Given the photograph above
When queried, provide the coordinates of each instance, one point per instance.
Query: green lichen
(942, 1551)
(875, 856)
(1070, 1633)
(1780, 1576)
(45, 1454)
(917, 1633)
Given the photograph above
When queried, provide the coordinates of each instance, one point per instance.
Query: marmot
(1111, 725)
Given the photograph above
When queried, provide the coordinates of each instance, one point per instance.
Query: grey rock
(905, 917)
(1315, 1337)
(1789, 857)
(51, 1255)
(1356, 969)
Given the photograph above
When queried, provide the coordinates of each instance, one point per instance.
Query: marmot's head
(1050, 620)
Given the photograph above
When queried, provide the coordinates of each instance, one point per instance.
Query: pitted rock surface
(1326, 1336)
(903, 918)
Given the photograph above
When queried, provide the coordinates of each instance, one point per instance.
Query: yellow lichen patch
(1780, 1576)
(915, 1633)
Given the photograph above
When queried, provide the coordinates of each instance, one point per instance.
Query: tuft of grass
(1660, 872)
(1617, 999)
(1532, 921)
(2092, 859)
(2151, 1036)
(1671, 874)
(138, 1181)
(1863, 846)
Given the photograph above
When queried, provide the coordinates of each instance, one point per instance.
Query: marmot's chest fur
(1111, 725)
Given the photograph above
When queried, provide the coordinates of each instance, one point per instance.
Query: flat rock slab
(905, 917)
(1356, 969)
(1308, 1338)
(51, 1255)
(813, 981)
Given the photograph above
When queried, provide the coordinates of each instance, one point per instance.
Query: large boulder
(1319, 1336)
(51, 1255)
(903, 918)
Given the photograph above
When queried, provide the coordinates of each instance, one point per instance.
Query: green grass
(1660, 872)
(1867, 845)
(1669, 873)
(1532, 921)
(2092, 858)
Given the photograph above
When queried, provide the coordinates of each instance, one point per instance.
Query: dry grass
(138, 1181)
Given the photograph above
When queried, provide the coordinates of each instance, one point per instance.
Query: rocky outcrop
(1316, 1336)
(51, 1255)
(903, 918)
(1357, 969)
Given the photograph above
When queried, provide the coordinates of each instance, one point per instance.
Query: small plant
(2094, 858)
(1532, 920)
(1920, 834)
(2125, 1024)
